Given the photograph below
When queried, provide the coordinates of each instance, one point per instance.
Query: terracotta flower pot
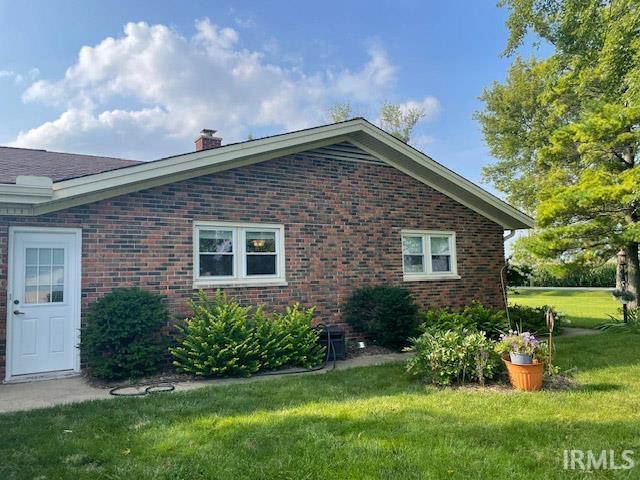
(525, 377)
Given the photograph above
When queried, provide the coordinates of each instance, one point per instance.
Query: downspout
(503, 282)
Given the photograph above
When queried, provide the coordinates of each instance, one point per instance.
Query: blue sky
(152, 74)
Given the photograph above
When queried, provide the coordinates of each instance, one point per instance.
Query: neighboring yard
(583, 308)
(372, 422)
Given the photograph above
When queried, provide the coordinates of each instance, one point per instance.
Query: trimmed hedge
(524, 276)
(387, 315)
(122, 338)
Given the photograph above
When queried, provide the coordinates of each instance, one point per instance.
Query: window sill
(431, 278)
(198, 284)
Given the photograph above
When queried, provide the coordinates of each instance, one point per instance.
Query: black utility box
(337, 339)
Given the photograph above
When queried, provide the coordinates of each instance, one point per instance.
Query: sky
(140, 79)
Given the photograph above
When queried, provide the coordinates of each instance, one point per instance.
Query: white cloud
(429, 105)
(174, 86)
(19, 78)
(245, 22)
(377, 74)
(422, 142)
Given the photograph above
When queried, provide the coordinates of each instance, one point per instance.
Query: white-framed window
(429, 255)
(238, 254)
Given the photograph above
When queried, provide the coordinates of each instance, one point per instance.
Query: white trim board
(358, 132)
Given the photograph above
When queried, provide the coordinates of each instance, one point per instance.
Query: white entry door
(44, 300)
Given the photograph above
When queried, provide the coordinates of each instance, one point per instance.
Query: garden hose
(142, 389)
(330, 348)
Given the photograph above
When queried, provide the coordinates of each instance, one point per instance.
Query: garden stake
(550, 317)
(504, 290)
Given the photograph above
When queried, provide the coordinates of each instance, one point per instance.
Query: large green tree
(565, 128)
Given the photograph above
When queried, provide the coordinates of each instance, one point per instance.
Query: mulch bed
(353, 351)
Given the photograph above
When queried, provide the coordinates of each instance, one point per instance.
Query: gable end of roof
(337, 140)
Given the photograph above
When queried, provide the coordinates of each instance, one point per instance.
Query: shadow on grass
(599, 387)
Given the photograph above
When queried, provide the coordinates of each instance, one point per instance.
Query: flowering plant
(523, 343)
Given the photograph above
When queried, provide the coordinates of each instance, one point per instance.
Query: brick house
(305, 216)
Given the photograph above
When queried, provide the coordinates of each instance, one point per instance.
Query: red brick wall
(342, 230)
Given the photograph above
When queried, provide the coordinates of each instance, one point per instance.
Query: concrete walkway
(48, 393)
(578, 332)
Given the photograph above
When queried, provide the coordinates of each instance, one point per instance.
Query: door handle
(18, 312)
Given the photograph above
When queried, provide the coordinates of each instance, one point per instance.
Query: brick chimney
(207, 140)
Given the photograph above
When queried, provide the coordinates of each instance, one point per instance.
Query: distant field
(583, 308)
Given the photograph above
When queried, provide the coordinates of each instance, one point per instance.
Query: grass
(583, 308)
(366, 423)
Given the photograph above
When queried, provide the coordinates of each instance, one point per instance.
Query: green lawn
(583, 308)
(367, 423)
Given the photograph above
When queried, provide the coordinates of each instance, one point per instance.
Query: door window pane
(44, 256)
(44, 275)
(31, 276)
(58, 256)
(57, 293)
(57, 275)
(44, 294)
(32, 256)
(31, 295)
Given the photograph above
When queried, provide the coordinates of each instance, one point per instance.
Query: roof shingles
(55, 165)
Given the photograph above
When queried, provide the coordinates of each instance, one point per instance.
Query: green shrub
(533, 319)
(218, 339)
(287, 339)
(222, 338)
(567, 276)
(617, 323)
(275, 342)
(122, 338)
(387, 315)
(303, 349)
(518, 275)
(446, 357)
(473, 317)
